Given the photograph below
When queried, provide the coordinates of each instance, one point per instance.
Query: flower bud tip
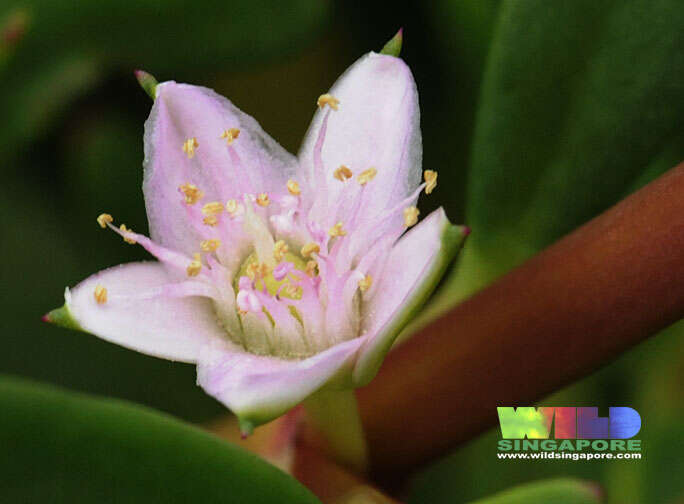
(393, 46)
(246, 428)
(147, 82)
(13, 28)
(61, 317)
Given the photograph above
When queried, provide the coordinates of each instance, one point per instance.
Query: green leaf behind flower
(61, 447)
(70, 46)
(581, 102)
(558, 491)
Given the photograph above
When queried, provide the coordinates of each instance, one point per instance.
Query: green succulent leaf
(580, 103)
(62, 447)
(558, 491)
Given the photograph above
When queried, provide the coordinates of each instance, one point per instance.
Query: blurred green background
(538, 115)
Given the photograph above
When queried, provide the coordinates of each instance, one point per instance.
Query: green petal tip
(393, 47)
(246, 427)
(147, 82)
(454, 236)
(61, 317)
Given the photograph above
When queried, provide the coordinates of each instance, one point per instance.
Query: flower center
(281, 306)
(264, 277)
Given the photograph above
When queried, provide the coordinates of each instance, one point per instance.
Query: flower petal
(413, 269)
(164, 326)
(258, 388)
(377, 125)
(252, 163)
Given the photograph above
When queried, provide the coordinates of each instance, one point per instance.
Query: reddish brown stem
(607, 286)
(275, 442)
(332, 483)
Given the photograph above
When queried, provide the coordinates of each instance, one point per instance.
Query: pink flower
(277, 275)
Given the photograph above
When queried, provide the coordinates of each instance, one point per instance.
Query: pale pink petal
(415, 265)
(166, 326)
(377, 125)
(252, 163)
(259, 388)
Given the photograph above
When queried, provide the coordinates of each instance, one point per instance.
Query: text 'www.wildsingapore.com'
(580, 434)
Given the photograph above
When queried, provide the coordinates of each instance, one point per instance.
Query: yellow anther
(263, 200)
(329, 100)
(430, 180)
(100, 294)
(210, 245)
(342, 173)
(195, 266)
(189, 147)
(213, 208)
(310, 248)
(411, 216)
(280, 248)
(292, 291)
(311, 268)
(103, 219)
(366, 176)
(192, 193)
(256, 270)
(230, 135)
(337, 230)
(231, 206)
(252, 270)
(210, 220)
(123, 228)
(293, 187)
(365, 283)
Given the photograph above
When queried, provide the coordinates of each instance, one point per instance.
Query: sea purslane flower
(277, 275)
